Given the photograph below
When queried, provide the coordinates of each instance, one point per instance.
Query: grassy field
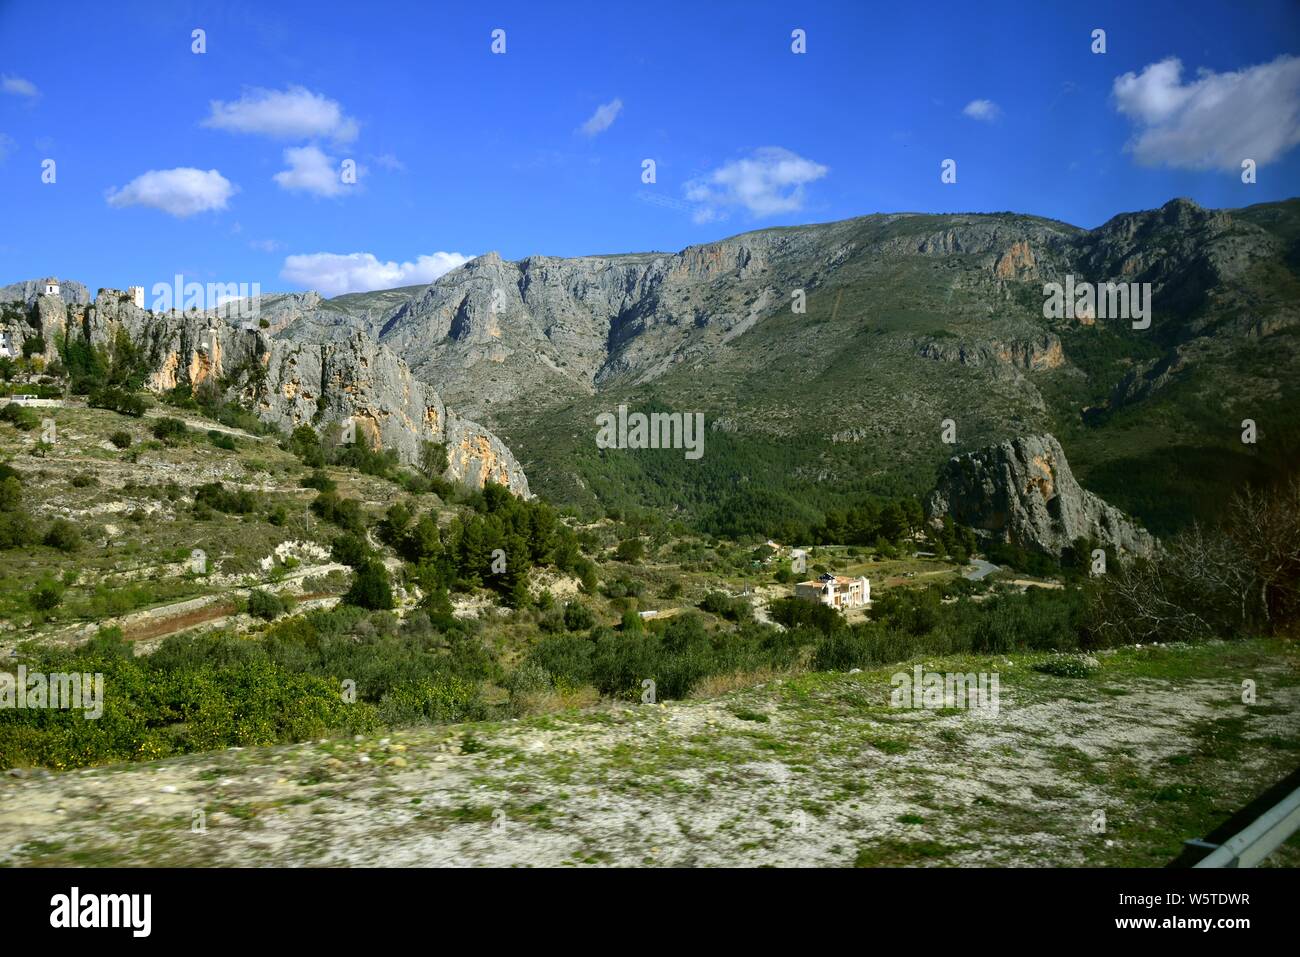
(801, 770)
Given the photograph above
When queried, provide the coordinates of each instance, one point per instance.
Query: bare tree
(1226, 581)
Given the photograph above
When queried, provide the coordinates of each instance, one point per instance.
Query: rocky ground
(805, 770)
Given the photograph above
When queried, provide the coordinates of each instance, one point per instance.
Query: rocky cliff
(287, 383)
(30, 290)
(1023, 492)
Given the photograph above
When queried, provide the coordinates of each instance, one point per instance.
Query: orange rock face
(1017, 263)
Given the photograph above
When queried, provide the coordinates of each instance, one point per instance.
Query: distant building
(6, 347)
(137, 295)
(51, 287)
(836, 591)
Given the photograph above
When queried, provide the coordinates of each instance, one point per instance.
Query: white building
(51, 287)
(836, 591)
(137, 295)
(6, 347)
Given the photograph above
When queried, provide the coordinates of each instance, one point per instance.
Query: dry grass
(532, 703)
(715, 686)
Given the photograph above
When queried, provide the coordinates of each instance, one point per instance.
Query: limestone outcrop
(290, 383)
(1023, 492)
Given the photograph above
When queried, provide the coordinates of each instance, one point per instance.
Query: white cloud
(182, 192)
(312, 171)
(388, 161)
(770, 181)
(292, 114)
(603, 118)
(334, 273)
(18, 86)
(985, 110)
(1214, 121)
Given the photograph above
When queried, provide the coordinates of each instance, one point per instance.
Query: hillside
(910, 320)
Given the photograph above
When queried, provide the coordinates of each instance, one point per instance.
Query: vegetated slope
(910, 320)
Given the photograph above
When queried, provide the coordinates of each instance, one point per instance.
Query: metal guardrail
(1258, 839)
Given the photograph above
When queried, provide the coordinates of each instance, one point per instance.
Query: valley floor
(804, 770)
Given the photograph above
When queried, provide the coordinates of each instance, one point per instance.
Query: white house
(51, 287)
(7, 348)
(137, 295)
(837, 591)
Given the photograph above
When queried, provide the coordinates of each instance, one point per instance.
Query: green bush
(371, 587)
(121, 439)
(265, 604)
(63, 535)
(320, 481)
(120, 401)
(350, 549)
(214, 495)
(17, 529)
(221, 440)
(46, 595)
(20, 417)
(169, 430)
(343, 512)
(630, 550)
(578, 617)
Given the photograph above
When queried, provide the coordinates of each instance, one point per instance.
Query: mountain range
(909, 320)
(832, 362)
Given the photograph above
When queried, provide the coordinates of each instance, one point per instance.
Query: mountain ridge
(910, 319)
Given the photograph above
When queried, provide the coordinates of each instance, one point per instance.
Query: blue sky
(539, 150)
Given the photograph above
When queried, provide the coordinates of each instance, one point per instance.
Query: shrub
(221, 440)
(63, 535)
(578, 617)
(371, 587)
(733, 609)
(265, 604)
(47, 595)
(168, 429)
(306, 444)
(567, 658)
(630, 550)
(20, 417)
(120, 401)
(121, 439)
(343, 512)
(319, 480)
(350, 549)
(17, 529)
(214, 495)
(793, 612)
